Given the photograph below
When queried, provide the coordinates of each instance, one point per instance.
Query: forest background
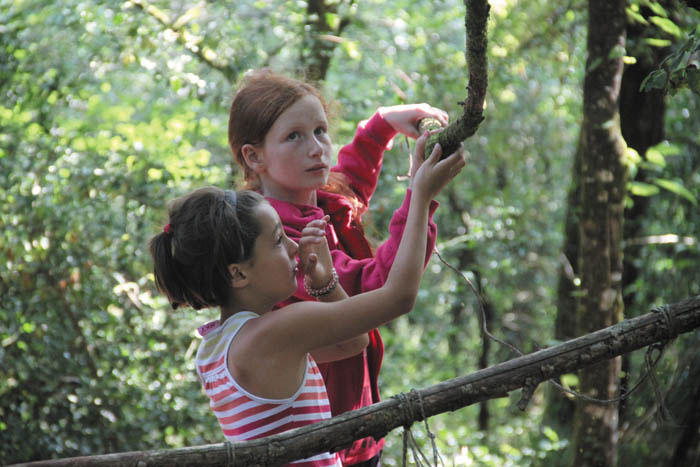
(109, 109)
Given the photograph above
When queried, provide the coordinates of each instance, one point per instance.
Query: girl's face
(272, 269)
(294, 159)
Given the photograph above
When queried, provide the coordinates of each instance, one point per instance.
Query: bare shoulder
(260, 365)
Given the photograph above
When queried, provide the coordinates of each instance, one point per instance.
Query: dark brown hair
(208, 230)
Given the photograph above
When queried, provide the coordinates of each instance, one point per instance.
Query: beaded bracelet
(325, 290)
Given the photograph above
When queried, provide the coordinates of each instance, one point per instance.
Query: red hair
(262, 97)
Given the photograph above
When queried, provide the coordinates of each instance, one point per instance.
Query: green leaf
(333, 20)
(569, 380)
(634, 15)
(666, 148)
(656, 8)
(693, 78)
(676, 186)
(631, 156)
(666, 25)
(350, 47)
(655, 42)
(655, 157)
(551, 434)
(642, 189)
(617, 52)
(655, 80)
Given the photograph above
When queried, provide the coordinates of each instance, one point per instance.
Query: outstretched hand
(434, 174)
(314, 257)
(418, 154)
(405, 118)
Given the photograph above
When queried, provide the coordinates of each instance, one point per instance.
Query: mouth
(317, 168)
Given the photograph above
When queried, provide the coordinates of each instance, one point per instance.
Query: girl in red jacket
(227, 249)
(278, 133)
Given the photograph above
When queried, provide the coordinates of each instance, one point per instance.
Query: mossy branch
(475, 22)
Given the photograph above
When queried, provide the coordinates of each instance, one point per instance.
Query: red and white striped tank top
(245, 416)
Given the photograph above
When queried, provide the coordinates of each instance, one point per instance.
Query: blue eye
(293, 136)
(320, 130)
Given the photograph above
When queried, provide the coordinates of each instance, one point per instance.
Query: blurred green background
(109, 109)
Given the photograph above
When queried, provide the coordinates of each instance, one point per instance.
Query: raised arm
(321, 280)
(279, 341)
(338, 321)
(361, 160)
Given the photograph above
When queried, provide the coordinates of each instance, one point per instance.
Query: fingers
(419, 150)
(312, 235)
(456, 158)
(436, 172)
(405, 118)
(441, 116)
(315, 231)
(454, 163)
(434, 157)
(426, 110)
(309, 264)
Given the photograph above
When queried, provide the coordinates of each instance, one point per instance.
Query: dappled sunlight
(110, 110)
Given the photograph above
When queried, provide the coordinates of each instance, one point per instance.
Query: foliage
(112, 108)
(679, 69)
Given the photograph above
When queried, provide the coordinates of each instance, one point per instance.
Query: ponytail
(167, 280)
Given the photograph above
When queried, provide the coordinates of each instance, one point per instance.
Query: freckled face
(273, 267)
(296, 153)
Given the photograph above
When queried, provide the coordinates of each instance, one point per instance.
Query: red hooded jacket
(352, 383)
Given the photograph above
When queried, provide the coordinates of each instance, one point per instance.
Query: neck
(295, 197)
(242, 303)
(227, 312)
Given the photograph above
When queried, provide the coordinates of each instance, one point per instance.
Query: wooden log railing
(377, 420)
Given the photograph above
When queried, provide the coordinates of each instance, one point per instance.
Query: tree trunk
(378, 419)
(603, 178)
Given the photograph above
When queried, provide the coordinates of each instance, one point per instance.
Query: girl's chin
(293, 286)
(318, 180)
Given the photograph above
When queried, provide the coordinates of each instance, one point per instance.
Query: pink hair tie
(166, 229)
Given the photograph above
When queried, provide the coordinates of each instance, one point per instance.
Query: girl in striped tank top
(228, 249)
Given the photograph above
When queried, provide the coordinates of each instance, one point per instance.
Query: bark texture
(603, 178)
(475, 22)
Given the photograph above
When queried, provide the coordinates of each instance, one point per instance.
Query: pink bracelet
(325, 290)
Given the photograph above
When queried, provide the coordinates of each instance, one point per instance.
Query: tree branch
(475, 22)
(378, 419)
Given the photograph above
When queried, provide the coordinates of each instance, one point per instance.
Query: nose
(292, 247)
(316, 147)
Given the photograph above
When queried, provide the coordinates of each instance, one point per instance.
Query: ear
(253, 158)
(239, 278)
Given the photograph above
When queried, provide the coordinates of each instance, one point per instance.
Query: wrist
(327, 288)
(421, 198)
